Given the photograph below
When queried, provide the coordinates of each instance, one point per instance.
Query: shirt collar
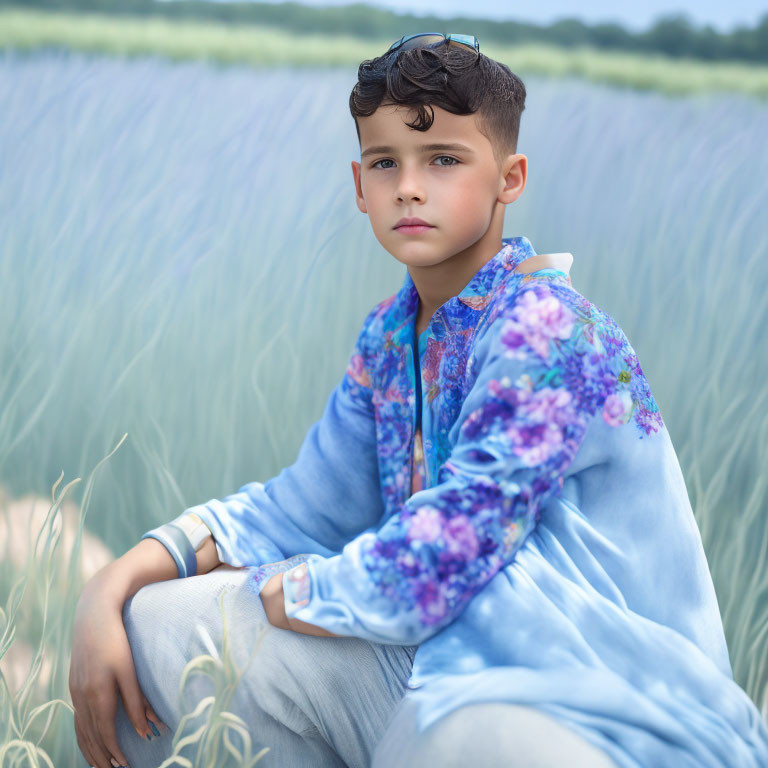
(478, 291)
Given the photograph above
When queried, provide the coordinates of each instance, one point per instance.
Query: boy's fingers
(110, 742)
(133, 701)
(106, 728)
(153, 718)
(104, 724)
(83, 742)
(99, 757)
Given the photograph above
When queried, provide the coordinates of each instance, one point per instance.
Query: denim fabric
(485, 735)
(316, 702)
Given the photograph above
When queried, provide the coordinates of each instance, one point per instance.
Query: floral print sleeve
(541, 371)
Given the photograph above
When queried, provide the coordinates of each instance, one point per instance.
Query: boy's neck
(561, 261)
(422, 319)
(437, 284)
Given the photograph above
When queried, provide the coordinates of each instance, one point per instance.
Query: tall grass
(182, 261)
(221, 739)
(265, 46)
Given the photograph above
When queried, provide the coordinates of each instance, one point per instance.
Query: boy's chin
(420, 260)
(415, 254)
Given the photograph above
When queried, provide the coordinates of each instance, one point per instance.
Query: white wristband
(194, 528)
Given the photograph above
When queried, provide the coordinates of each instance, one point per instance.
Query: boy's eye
(439, 157)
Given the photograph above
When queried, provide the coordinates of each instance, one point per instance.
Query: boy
(491, 483)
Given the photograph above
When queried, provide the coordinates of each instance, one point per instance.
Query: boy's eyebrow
(383, 149)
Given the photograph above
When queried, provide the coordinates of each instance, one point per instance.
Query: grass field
(183, 271)
(27, 30)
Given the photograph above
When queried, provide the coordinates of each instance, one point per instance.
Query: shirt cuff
(297, 587)
(261, 574)
(202, 511)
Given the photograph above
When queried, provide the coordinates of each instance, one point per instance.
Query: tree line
(673, 35)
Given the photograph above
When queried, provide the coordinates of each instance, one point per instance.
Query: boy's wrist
(273, 600)
(145, 563)
(112, 582)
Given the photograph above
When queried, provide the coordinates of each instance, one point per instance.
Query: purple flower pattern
(553, 362)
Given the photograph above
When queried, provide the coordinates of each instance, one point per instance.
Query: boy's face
(460, 192)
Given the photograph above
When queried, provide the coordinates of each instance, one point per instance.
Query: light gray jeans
(314, 702)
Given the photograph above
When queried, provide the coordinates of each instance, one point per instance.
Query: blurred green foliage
(673, 35)
(268, 45)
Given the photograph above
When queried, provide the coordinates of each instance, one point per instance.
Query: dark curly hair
(450, 76)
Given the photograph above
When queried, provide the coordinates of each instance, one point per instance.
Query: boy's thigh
(341, 690)
(485, 735)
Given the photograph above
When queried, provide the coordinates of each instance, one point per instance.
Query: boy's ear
(356, 167)
(515, 169)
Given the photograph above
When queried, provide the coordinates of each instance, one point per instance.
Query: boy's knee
(178, 609)
(143, 616)
(491, 735)
(168, 623)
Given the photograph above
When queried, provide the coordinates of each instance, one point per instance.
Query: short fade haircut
(453, 77)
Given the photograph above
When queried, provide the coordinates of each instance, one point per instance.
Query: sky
(634, 16)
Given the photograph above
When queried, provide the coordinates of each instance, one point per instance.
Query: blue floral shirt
(546, 555)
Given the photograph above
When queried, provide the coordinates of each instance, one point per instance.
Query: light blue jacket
(552, 557)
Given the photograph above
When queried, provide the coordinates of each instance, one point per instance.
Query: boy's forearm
(149, 561)
(303, 628)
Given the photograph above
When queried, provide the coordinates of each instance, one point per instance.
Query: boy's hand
(273, 600)
(101, 666)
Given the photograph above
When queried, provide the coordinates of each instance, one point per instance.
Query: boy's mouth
(409, 221)
(413, 226)
(413, 229)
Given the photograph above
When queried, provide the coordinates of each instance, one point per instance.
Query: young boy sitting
(491, 484)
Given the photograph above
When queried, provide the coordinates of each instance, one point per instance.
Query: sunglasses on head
(433, 39)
